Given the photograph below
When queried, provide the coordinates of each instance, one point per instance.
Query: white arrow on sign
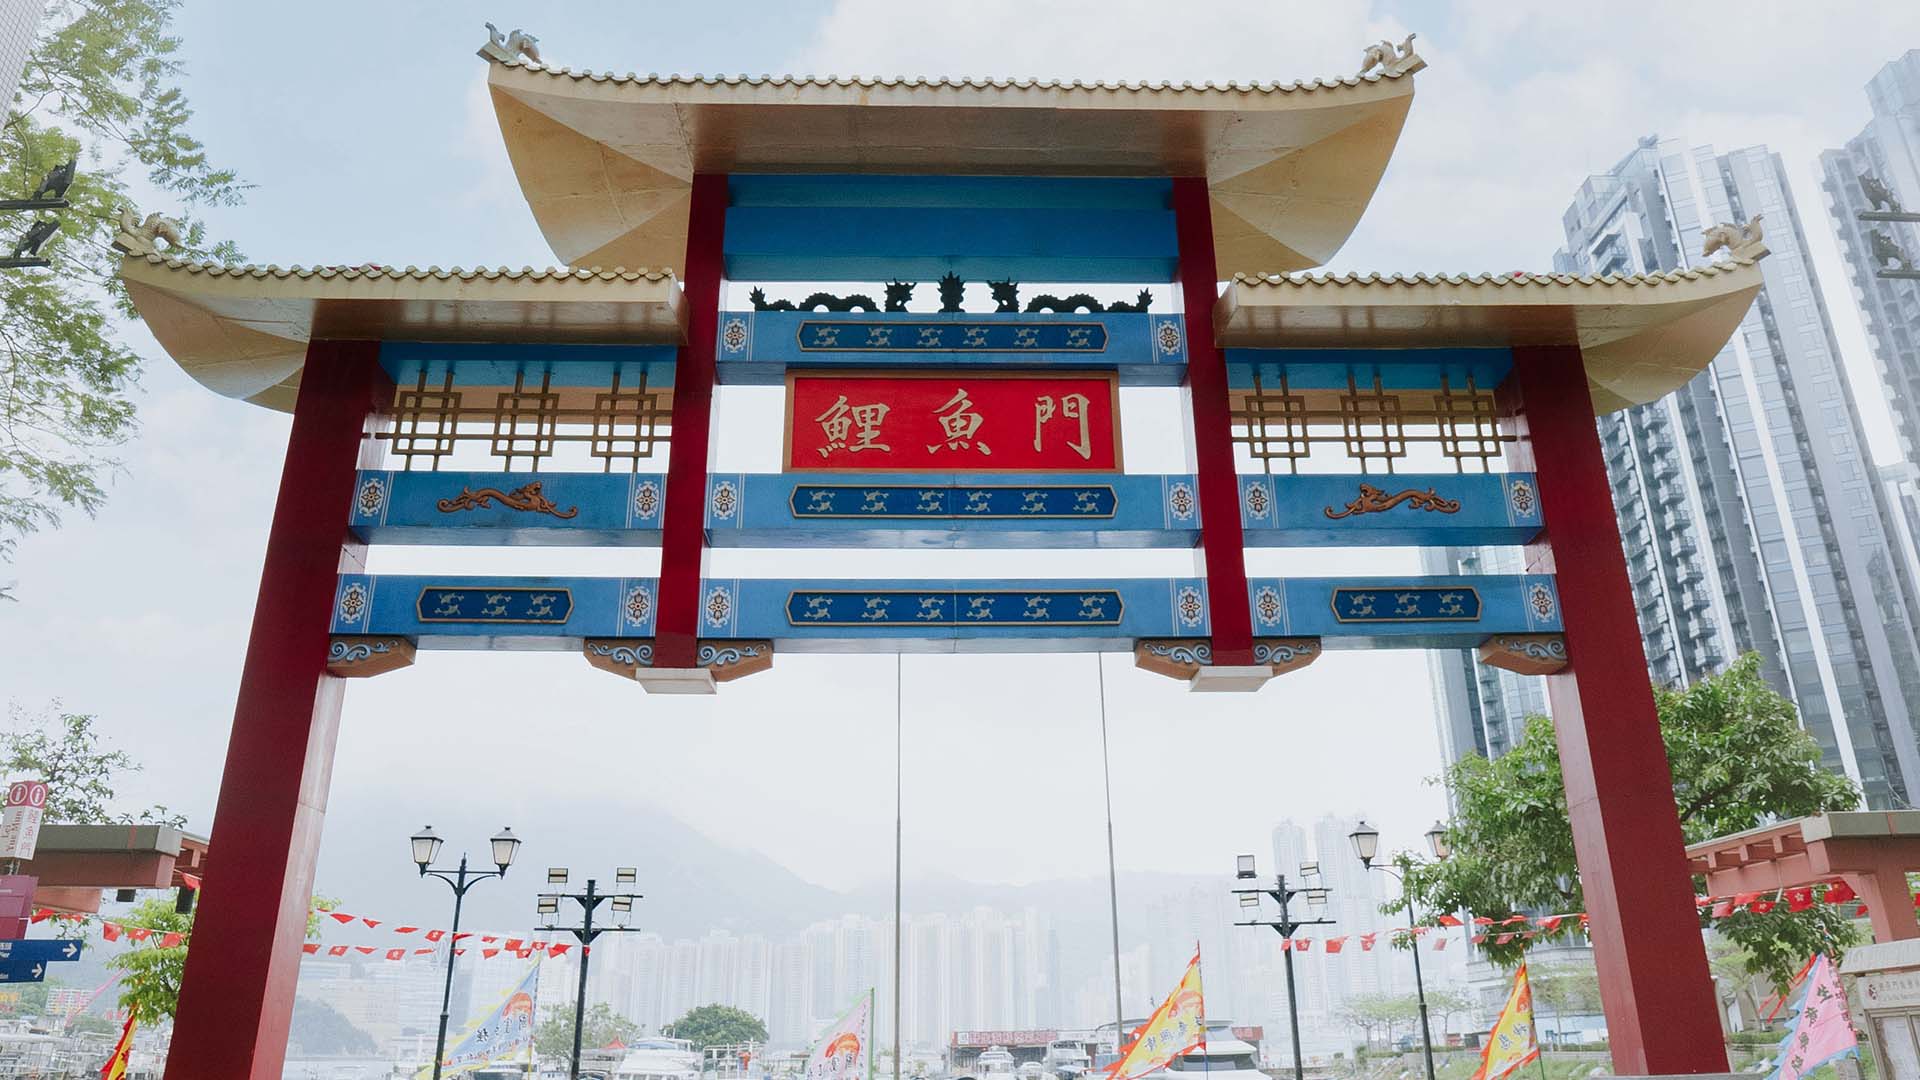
(71, 951)
(37, 969)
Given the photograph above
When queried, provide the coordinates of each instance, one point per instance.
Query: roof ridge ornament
(138, 237)
(1391, 59)
(506, 48)
(1743, 242)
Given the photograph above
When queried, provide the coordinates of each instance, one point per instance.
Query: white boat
(659, 1058)
(994, 1063)
(1067, 1059)
(1224, 1057)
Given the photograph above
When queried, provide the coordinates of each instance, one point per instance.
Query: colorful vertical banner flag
(116, 1066)
(505, 1032)
(1512, 1043)
(1177, 1026)
(1822, 1031)
(845, 1050)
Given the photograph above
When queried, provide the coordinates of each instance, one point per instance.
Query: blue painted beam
(484, 364)
(1397, 369)
(946, 510)
(874, 228)
(450, 612)
(1147, 348)
(557, 509)
(1402, 510)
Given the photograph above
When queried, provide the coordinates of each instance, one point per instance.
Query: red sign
(953, 422)
(27, 793)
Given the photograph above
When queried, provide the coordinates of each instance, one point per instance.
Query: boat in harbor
(660, 1058)
(1224, 1056)
(1068, 1059)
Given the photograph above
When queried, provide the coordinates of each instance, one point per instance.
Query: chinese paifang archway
(951, 428)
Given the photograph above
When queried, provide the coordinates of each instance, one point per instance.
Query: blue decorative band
(1391, 605)
(1094, 607)
(1035, 503)
(986, 335)
(443, 604)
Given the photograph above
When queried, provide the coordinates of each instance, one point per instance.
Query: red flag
(1366, 941)
(1703, 901)
(436, 935)
(515, 944)
(406, 929)
(337, 950)
(1839, 892)
(459, 952)
(138, 933)
(1302, 944)
(42, 915)
(1335, 944)
(525, 954)
(1800, 899)
(539, 946)
(1479, 939)
(110, 931)
(395, 954)
(1482, 920)
(1741, 900)
(1552, 922)
(1286, 944)
(1511, 919)
(1760, 907)
(310, 948)
(365, 950)
(1723, 909)
(558, 949)
(1503, 939)
(171, 941)
(423, 952)
(190, 881)
(489, 953)
(1439, 943)
(371, 923)
(1447, 920)
(340, 917)
(488, 940)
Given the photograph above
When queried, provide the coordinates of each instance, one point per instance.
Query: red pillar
(683, 534)
(236, 997)
(1210, 435)
(1662, 1012)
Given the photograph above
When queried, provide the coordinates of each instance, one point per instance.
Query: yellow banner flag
(1511, 1044)
(1177, 1026)
(116, 1066)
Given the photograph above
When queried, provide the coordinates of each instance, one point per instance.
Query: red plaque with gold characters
(953, 422)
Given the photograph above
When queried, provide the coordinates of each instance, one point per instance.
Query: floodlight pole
(589, 900)
(1285, 926)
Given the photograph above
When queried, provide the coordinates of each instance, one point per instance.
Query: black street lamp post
(426, 848)
(1283, 894)
(589, 901)
(1366, 844)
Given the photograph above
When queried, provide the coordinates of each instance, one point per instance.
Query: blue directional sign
(26, 961)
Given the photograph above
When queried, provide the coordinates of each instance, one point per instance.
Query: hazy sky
(369, 134)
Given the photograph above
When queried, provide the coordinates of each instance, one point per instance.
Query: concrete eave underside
(242, 332)
(606, 163)
(1641, 337)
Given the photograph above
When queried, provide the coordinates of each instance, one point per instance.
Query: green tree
(63, 749)
(1568, 989)
(101, 86)
(322, 1030)
(151, 971)
(1739, 759)
(1377, 1016)
(1444, 1003)
(601, 1027)
(717, 1025)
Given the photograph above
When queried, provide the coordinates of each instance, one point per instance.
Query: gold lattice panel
(621, 424)
(1370, 425)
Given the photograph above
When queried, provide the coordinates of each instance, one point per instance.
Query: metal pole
(1419, 987)
(1113, 874)
(1286, 953)
(899, 691)
(453, 944)
(585, 935)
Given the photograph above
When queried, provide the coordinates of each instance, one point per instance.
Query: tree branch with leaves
(1739, 759)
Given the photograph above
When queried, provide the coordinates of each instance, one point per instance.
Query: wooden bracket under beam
(1525, 654)
(362, 656)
